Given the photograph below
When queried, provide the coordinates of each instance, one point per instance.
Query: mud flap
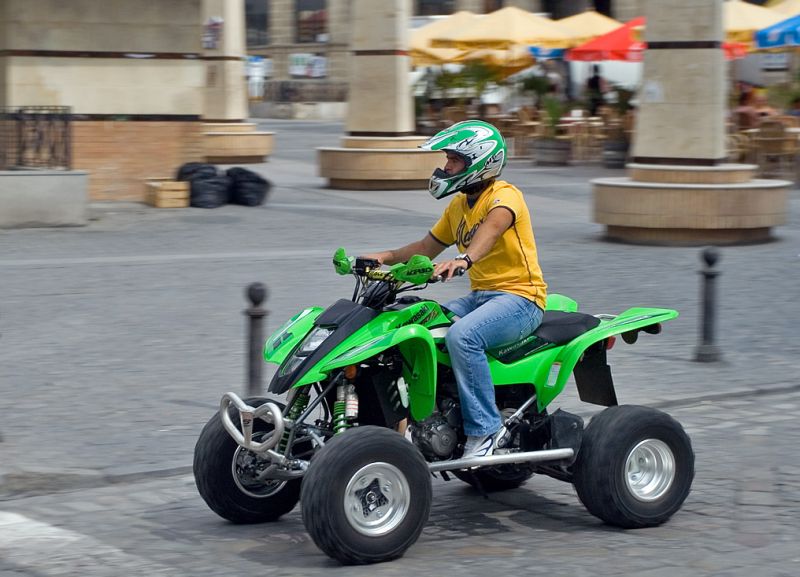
(593, 377)
(566, 432)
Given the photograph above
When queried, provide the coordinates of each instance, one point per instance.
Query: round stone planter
(552, 152)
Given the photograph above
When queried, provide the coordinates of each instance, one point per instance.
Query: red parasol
(621, 44)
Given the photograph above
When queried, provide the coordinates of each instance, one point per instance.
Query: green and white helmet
(481, 147)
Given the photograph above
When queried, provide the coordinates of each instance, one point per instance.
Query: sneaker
(483, 445)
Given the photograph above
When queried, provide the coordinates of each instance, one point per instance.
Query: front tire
(366, 496)
(224, 474)
(635, 466)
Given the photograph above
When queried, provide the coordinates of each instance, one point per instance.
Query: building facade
(307, 42)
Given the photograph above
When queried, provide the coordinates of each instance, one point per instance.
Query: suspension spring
(298, 406)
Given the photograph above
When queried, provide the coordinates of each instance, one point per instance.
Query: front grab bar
(268, 412)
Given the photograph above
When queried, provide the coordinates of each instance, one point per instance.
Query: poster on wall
(307, 65)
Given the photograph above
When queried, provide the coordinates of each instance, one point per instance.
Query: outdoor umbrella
(784, 34)
(622, 44)
(741, 20)
(505, 28)
(420, 49)
(785, 7)
(507, 62)
(588, 25)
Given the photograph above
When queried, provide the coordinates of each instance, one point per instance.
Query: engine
(435, 438)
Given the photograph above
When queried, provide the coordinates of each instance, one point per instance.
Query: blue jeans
(489, 319)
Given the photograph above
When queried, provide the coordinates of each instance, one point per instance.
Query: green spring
(299, 405)
(339, 420)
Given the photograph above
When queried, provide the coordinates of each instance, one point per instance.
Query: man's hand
(448, 268)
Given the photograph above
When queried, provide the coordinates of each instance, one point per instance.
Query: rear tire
(635, 466)
(366, 496)
(225, 483)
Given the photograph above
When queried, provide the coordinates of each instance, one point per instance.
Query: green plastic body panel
(419, 371)
(557, 302)
(570, 354)
(285, 339)
(406, 328)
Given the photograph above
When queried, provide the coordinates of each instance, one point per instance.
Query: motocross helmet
(481, 147)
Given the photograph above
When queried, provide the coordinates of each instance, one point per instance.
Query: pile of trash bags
(212, 188)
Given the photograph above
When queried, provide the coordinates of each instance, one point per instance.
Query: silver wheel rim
(377, 499)
(650, 470)
(244, 471)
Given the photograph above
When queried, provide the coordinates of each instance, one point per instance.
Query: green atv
(354, 374)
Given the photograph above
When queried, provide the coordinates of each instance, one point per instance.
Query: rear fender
(625, 322)
(415, 343)
(285, 339)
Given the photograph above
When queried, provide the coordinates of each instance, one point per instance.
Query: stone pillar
(681, 118)
(380, 101)
(281, 34)
(224, 51)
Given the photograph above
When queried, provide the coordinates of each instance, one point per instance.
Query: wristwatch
(465, 257)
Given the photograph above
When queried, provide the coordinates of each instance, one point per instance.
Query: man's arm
(427, 246)
(492, 228)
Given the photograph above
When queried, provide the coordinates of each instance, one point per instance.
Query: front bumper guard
(268, 412)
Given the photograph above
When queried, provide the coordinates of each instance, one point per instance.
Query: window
(311, 21)
(256, 15)
(434, 7)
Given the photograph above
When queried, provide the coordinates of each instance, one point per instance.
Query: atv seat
(557, 328)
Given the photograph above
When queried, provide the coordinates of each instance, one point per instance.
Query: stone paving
(117, 339)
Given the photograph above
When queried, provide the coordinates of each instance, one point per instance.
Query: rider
(491, 227)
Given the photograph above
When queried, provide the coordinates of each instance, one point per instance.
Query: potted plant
(618, 142)
(552, 148)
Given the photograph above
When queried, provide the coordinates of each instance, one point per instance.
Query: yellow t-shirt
(513, 264)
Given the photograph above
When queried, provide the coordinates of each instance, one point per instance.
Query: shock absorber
(298, 406)
(345, 409)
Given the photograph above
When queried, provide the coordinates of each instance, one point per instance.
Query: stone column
(681, 117)
(281, 35)
(380, 101)
(224, 51)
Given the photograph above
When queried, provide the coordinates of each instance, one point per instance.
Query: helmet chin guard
(481, 147)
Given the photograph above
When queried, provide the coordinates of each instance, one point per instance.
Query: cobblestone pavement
(741, 519)
(117, 339)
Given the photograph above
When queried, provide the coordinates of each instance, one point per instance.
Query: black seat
(559, 327)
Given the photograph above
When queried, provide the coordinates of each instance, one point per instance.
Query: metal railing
(34, 137)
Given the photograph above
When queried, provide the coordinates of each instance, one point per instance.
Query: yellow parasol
(507, 62)
(588, 25)
(785, 7)
(740, 20)
(420, 49)
(504, 28)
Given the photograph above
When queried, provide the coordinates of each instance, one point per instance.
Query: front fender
(416, 345)
(629, 320)
(285, 339)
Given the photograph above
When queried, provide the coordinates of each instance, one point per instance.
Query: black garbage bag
(248, 188)
(192, 170)
(210, 192)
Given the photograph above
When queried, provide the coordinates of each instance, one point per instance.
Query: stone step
(237, 147)
(228, 127)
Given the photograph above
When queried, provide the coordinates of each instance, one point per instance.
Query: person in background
(596, 87)
(762, 106)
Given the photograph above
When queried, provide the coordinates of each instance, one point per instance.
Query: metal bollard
(256, 293)
(707, 351)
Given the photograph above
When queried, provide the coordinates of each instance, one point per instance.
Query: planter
(615, 153)
(552, 151)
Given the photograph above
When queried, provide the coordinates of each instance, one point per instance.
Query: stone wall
(120, 155)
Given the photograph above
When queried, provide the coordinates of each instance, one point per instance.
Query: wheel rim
(245, 467)
(377, 499)
(650, 470)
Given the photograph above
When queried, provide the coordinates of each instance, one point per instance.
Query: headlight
(313, 340)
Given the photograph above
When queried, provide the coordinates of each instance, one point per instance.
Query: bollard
(256, 293)
(707, 351)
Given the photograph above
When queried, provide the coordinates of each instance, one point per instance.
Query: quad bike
(356, 373)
